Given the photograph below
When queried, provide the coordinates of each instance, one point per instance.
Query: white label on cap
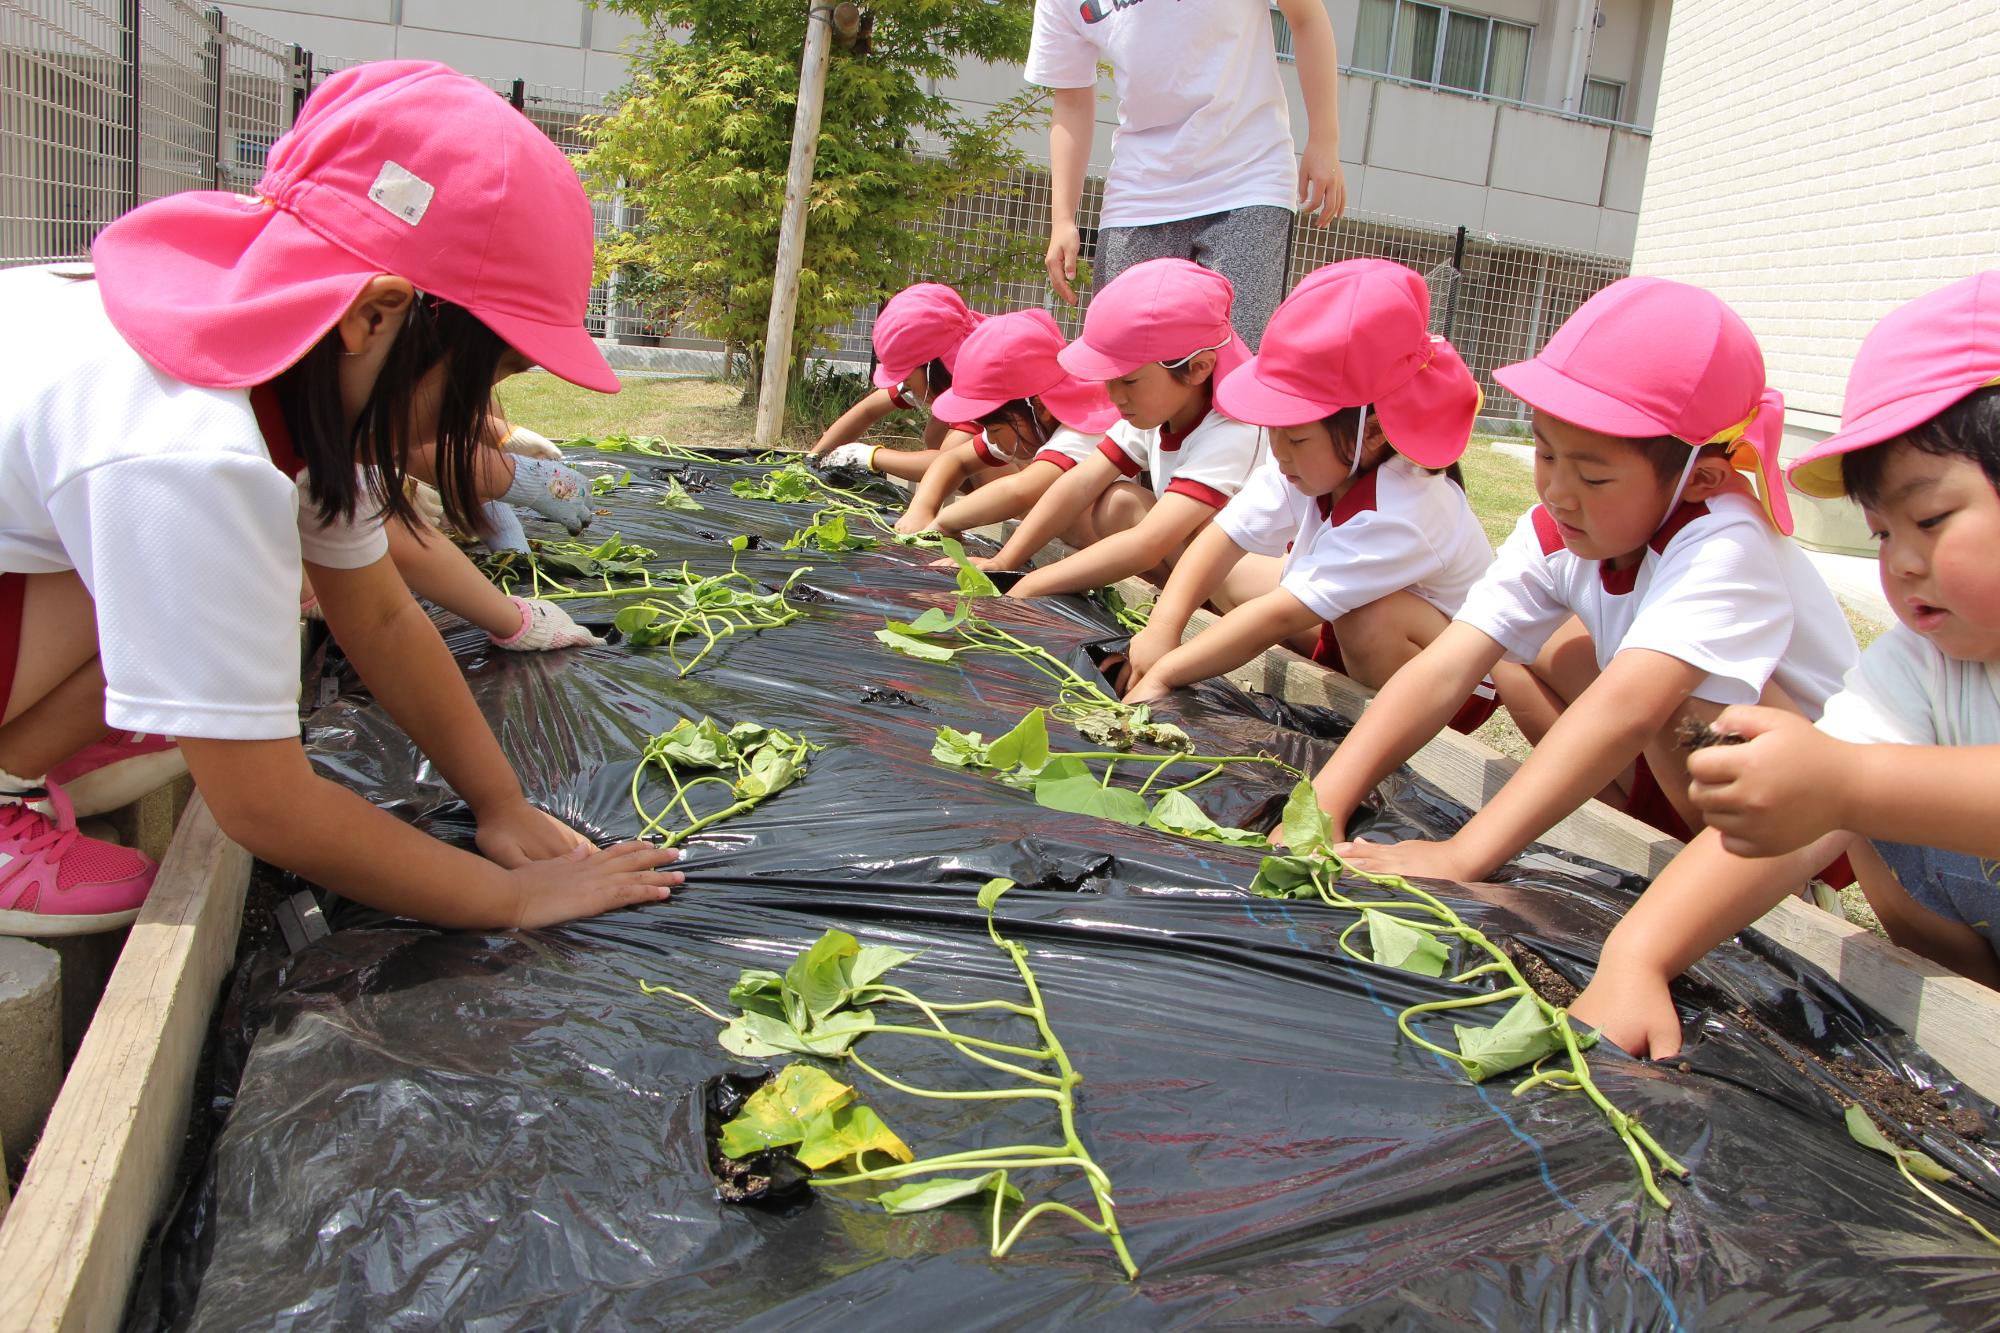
(401, 193)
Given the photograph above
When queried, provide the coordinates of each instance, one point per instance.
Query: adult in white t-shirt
(1202, 163)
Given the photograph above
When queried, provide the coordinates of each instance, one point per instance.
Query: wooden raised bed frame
(98, 1180)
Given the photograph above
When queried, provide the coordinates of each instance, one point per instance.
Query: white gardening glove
(424, 498)
(551, 490)
(524, 443)
(545, 627)
(503, 527)
(850, 455)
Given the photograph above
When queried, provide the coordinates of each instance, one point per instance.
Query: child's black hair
(1969, 428)
(1023, 416)
(1345, 427)
(937, 377)
(436, 332)
(1669, 454)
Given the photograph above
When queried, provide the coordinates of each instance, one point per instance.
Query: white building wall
(1817, 174)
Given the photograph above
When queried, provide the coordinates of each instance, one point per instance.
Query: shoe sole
(117, 785)
(37, 925)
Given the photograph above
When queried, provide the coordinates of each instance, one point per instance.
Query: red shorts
(13, 592)
(1471, 715)
(1648, 804)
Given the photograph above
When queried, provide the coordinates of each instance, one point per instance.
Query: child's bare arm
(855, 422)
(1632, 702)
(1228, 644)
(1068, 497)
(1411, 708)
(937, 486)
(1000, 499)
(1197, 574)
(1157, 537)
(1706, 895)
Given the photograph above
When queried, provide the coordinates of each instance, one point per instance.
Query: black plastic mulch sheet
(499, 1131)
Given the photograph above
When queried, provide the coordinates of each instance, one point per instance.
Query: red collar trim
(1619, 582)
(1171, 442)
(277, 435)
(1360, 499)
(1546, 531)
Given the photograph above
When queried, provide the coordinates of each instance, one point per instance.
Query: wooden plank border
(101, 1171)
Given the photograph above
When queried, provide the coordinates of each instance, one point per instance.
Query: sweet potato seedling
(751, 762)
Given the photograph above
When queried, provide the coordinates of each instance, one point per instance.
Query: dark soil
(1696, 735)
(1546, 982)
(1908, 1103)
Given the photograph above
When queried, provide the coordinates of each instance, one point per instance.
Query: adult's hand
(1322, 184)
(1064, 244)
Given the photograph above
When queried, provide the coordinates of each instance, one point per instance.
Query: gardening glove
(850, 455)
(503, 527)
(429, 505)
(545, 627)
(551, 490)
(524, 443)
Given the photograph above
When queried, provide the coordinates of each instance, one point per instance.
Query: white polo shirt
(1211, 463)
(1203, 125)
(1398, 527)
(164, 500)
(1905, 691)
(1717, 588)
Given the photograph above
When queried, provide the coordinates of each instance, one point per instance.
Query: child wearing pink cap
(1646, 403)
(1158, 339)
(917, 336)
(1901, 761)
(1034, 422)
(1354, 543)
(155, 414)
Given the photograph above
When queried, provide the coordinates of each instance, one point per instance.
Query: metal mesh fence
(106, 104)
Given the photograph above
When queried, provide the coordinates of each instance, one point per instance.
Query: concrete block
(30, 1042)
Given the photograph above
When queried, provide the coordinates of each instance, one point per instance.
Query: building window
(1445, 47)
(1603, 99)
(1281, 35)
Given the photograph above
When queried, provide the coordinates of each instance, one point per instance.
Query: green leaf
(1522, 1036)
(960, 749)
(872, 962)
(990, 892)
(934, 620)
(1395, 943)
(911, 646)
(1861, 1127)
(755, 1036)
(678, 498)
(972, 580)
(1308, 831)
(759, 992)
(777, 1113)
(1026, 744)
(1177, 813)
(818, 977)
(739, 543)
(693, 743)
(925, 1195)
(1084, 796)
(841, 1133)
(1285, 877)
(772, 769)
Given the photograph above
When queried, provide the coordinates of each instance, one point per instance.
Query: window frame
(1618, 88)
(1446, 13)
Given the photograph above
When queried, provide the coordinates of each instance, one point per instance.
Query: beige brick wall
(1816, 164)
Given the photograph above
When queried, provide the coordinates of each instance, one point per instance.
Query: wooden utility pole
(792, 227)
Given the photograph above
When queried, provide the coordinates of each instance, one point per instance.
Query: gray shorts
(1249, 246)
(1960, 888)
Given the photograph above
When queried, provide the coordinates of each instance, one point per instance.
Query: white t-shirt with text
(1203, 125)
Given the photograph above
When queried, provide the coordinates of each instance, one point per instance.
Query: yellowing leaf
(777, 1113)
(835, 1135)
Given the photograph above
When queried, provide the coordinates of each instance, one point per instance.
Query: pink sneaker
(55, 881)
(117, 771)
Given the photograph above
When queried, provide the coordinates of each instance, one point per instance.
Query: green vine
(559, 571)
(686, 605)
(750, 762)
(826, 1002)
(1407, 929)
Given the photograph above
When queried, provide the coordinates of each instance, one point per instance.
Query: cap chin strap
(1687, 471)
(1360, 435)
(1178, 362)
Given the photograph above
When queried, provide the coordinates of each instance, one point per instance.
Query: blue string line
(1541, 1158)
